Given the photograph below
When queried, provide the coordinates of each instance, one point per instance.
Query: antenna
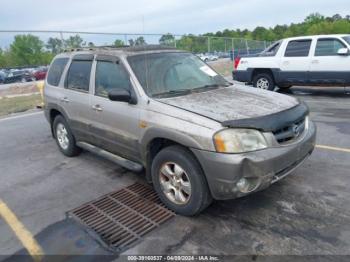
(146, 65)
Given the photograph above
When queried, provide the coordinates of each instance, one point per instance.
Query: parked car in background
(208, 57)
(307, 60)
(19, 76)
(197, 136)
(40, 73)
(203, 57)
(2, 76)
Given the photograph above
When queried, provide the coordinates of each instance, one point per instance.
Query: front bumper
(267, 166)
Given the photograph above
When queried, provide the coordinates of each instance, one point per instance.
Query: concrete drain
(121, 218)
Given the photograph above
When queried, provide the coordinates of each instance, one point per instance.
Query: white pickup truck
(308, 60)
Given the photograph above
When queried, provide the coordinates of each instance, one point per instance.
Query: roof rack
(126, 48)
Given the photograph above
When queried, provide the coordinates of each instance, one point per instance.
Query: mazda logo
(296, 130)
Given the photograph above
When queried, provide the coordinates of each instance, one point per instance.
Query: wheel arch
(156, 139)
(269, 71)
(51, 112)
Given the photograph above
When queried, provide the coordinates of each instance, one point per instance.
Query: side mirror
(121, 95)
(343, 51)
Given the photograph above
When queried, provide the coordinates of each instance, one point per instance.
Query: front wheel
(179, 181)
(264, 81)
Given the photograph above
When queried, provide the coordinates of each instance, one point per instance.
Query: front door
(327, 67)
(114, 124)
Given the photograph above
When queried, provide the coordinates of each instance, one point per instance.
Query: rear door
(114, 124)
(327, 67)
(295, 62)
(76, 100)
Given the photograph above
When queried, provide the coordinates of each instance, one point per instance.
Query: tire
(67, 146)
(199, 196)
(264, 81)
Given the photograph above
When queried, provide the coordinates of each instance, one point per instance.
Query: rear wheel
(179, 181)
(64, 137)
(264, 81)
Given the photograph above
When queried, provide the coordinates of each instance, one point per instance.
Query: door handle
(314, 61)
(65, 99)
(286, 62)
(97, 108)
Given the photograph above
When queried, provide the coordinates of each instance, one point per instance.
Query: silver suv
(165, 111)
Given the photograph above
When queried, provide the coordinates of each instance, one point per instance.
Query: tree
(74, 42)
(167, 39)
(314, 18)
(337, 17)
(118, 43)
(131, 42)
(26, 50)
(55, 45)
(140, 41)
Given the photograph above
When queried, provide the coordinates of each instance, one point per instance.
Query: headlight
(239, 140)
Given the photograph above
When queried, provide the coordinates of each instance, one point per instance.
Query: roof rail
(126, 48)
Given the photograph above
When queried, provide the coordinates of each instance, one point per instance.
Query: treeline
(314, 24)
(29, 50)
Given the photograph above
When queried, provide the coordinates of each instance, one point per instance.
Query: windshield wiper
(208, 87)
(174, 92)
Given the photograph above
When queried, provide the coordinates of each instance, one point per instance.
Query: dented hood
(233, 103)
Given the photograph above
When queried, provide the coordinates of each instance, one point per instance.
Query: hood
(233, 103)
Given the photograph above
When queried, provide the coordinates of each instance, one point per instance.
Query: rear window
(78, 76)
(298, 48)
(56, 71)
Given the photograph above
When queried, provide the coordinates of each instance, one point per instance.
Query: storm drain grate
(121, 218)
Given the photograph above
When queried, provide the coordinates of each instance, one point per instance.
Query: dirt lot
(307, 213)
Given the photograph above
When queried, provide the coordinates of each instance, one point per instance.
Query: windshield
(173, 74)
(347, 39)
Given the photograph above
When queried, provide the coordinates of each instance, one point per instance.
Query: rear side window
(56, 70)
(78, 76)
(110, 75)
(298, 48)
(328, 47)
(272, 50)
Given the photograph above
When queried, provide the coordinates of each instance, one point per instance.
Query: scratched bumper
(265, 166)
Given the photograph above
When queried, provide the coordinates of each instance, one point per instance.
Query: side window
(328, 47)
(56, 70)
(110, 75)
(272, 50)
(298, 48)
(78, 76)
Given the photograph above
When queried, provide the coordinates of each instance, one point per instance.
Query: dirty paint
(234, 102)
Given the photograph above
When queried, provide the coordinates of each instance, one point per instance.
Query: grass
(9, 105)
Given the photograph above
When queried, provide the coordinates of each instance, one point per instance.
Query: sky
(157, 16)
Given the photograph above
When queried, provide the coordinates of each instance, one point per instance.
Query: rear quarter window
(56, 70)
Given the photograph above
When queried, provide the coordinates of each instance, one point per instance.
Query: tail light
(236, 62)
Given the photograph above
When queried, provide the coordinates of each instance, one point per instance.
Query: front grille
(290, 132)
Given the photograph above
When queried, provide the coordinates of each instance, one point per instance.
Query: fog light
(243, 185)
(247, 185)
